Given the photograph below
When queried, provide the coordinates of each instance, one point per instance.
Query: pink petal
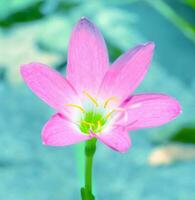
(60, 132)
(127, 72)
(117, 139)
(150, 110)
(87, 57)
(48, 84)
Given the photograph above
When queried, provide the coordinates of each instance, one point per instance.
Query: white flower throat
(95, 118)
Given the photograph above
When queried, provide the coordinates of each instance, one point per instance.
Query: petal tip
(43, 137)
(124, 150)
(22, 66)
(23, 69)
(179, 109)
(27, 65)
(85, 23)
(26, 68)
(46, 139)
(150, 45)
(176, 106)
(43, 142)
(84, 19)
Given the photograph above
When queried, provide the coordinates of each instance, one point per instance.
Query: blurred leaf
(2, 73)
(185, 135)
(114, 51)
(190, 3)
(185, 27)
(27, 14)
(67, 5)
(10, 7)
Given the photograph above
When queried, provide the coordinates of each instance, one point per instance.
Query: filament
(110, 113)
(109, 100)
(76, 106)
(91, 98)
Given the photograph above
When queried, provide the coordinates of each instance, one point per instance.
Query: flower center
(93, 121)
(94, 117)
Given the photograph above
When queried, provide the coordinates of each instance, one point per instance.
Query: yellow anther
(110, 113)
(109, 100)
(99, 124)
(91, 98)
(76, 106)
(87, 123)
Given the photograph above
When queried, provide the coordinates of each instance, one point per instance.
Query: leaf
(185, 135)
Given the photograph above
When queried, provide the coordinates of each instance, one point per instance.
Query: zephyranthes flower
(95, 98)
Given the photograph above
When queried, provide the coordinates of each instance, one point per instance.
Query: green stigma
(92, 121)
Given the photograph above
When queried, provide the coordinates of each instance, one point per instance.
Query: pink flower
(95, 99)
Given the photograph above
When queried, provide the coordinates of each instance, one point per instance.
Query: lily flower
(95, 98)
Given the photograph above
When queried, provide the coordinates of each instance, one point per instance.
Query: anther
(99, 125)
(87, 123)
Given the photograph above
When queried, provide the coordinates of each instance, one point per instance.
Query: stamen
(110, 113)
(99, 124)
(76, 106)
(109, 100)
(87, 123)
(91, 98)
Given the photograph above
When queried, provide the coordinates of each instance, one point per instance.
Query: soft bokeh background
(161, 163)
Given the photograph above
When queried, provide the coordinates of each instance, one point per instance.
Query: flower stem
(86, 191)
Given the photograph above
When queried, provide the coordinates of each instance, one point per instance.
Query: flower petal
(87, 57)
(48, 84)
(150, 110)
(127, 72)
(60, 132)
(117, 139)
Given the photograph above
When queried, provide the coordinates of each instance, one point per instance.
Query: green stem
(90, 148)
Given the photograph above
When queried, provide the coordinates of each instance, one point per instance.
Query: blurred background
(161, 163)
